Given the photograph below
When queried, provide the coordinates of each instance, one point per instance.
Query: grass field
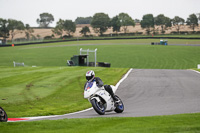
(158, 124)
(48, 90)
(52, 88)
(120, 53)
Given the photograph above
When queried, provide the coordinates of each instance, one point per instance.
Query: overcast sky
(28, 11)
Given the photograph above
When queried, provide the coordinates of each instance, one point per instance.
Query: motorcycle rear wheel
(98, 107)
(3, 115)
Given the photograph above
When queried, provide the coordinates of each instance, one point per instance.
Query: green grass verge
(158, 124)
(197, 69)
(27, 91)
(120, 53)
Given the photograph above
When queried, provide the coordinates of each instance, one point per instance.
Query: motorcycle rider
(90, 76)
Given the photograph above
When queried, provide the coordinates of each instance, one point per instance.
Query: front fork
(2, 112)
(99, 100)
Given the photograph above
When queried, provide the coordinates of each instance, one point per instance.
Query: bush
(193, 32)
(197, 32)
(88, 35)
(127, 34)
(184, 32)
(66, 36)
(139, 33)
(156, 33)
(20, 39)
(174, 32)
(163, 32)
(47, 37)
(123, 34)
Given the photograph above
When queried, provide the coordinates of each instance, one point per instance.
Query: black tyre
(119, 106)
(3, 115)
(98, 107)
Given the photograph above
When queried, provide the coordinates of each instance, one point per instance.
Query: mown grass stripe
(49, 90)
(122, 53)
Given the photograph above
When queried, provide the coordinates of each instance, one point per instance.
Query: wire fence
(23, 40)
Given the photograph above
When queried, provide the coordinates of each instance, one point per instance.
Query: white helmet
(90, 75)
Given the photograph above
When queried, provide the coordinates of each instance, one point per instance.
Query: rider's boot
(110, 91)
(116, 100)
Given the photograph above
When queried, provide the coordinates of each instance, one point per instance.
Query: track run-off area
(149, 92)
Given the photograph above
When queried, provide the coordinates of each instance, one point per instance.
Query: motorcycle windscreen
(90, 89)
(88, 85)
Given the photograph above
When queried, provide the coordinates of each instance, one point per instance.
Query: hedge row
(185, 32)
(101, 38)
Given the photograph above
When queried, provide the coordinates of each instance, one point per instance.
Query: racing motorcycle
(101, 100)
(3, 115)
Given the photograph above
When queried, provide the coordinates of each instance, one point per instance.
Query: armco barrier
(113, 38)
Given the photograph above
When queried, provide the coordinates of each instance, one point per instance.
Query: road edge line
(194, 70)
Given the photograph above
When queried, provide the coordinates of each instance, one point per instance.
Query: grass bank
(38, 91)
(157, 124)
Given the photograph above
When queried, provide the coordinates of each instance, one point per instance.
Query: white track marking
(194, 71)
(125, 76)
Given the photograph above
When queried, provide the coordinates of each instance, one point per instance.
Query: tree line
(148, 22)
(12, 27)
(100, 22)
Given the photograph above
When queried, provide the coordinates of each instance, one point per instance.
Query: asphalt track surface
(150, 92)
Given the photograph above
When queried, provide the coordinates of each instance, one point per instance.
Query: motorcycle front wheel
(119, 106)
(98, 107)
(3, 115)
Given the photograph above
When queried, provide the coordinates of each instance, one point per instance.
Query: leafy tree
(137, 21)
(147, 22)
(115, 23)
(178, 22)
(28, 31)
(4, 31)
(82, 20)
(64, 25)
(163, 21)
(198, 15)
(100, 23)
(45, 19)
(69, 27)
(85, 30)
(192, 21)
(15, 27)
(168, 22)
(58, 30)
(126, 21)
